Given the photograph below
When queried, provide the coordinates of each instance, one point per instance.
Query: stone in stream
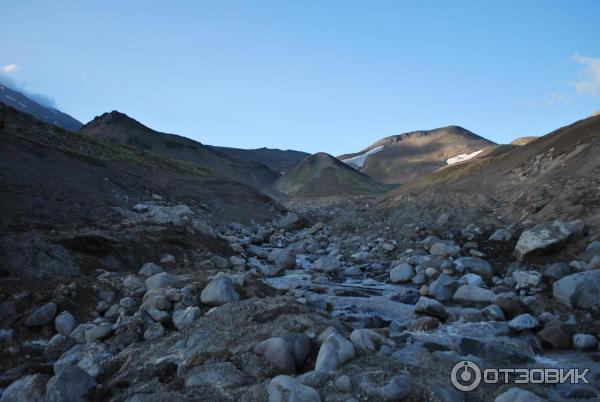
(585, 342)
(219, 291)
(443, 287)
(473, 295)
(523, 322)
(284, 388)
(335, 351)
(41, 316)
(546, 237)
(578, 290)
(65, 323)
(402, 272)
(431, 307)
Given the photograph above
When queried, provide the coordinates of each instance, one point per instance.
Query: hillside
(276, 159)
(323, 175)
(555, 176)
(119, 128)
(402, 158)
(46, 114)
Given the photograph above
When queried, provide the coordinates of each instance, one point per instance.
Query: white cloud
(590, 72)
(9, 68)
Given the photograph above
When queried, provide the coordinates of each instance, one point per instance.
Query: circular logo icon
(465, 375)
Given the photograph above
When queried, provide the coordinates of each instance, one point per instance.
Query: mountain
(555, 176)
(402, 158)
(121, 129)
(48, 115)
(323, 175)
(276, 159)
(524, 140)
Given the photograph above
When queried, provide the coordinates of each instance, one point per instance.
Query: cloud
(590, 72)
(9, 68)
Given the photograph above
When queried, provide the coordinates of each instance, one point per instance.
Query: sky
(312, 75)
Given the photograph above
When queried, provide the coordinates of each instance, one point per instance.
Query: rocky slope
(276, 159)
(323, 175)
(121, 129)
(46, 114)
(402, 158)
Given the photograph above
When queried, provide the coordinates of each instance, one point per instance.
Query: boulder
(184, 318)
(177, 215)
(556, 335)
(154, 331)
(292, 221)
(285, 353)
(523, 322)
(431, 307)
(546, 237)
(585, 342)
(284, 388)
(41, 316)
(473, 264)
(578, 290)
(527, 279)
(31, 388)
(493, 313)
(327, 263)
(284, 258)
(403, 272)
(219, 291)
(343, 384)
(501, 235)
(335, 351)
(65, 323)
(149, 269)
(473, 295)
(424, 324)
(443, 287)
(71, 385)
(160, 280)
(99, 332)
(556, 271)
(444, 250)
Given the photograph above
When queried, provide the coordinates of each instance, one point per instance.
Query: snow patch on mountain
(359, 160)
(463, 157)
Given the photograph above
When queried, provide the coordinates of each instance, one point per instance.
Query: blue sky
(329, 76)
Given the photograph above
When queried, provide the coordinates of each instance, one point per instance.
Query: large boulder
(402, 272)
(284, 388)
(285, 353)
(578, 290)
(335, 351)
(41, 316)
(71, 385)
(65, 323)
(219, 291)
(546, 237)
(159, 280)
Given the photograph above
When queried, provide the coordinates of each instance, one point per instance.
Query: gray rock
(128, 303)
(42, 316)
(557, 271)
(402, 272)
(327, 263)
(366, 339)
(501, 235)
(593, 247)
(154, 331)
(202, 228)
(443, 287)
(335, 351)
(284, 388)
(474, 264)
(65, 323)
(219, 291)
(431, 307)
(472, 280)
(160, 280)
(397, 388)
(518, 395)
(585, 342)
(156, 299)
(578, 290)
(343, 384)
(444, 250)
(71, 385)
(284, 258)
(292, 221)
(89, 357)
(285, 353)
(31, 388)
(594, 262)
(158, 315)
(177, 215)
(472, 294)
(523, 322)
(546, 237)
(493, 313)
(184, 318)
(527, 279)
(220, 262)
(150, 269)
(99, 332)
